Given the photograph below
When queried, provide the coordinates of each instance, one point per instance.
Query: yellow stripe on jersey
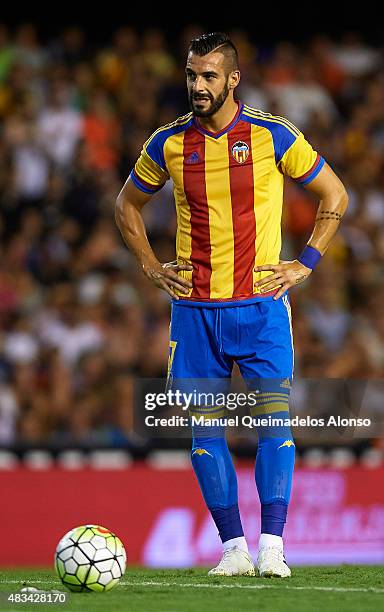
(173, 155)
(218, 188)
(267, 182)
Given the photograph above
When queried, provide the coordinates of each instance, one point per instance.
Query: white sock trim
(268, 540)
(239, 542)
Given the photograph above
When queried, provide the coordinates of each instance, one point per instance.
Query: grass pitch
(340, 588)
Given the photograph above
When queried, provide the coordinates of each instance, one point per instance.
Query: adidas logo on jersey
(193, 158)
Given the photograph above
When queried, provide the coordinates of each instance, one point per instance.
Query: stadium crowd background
(78, 321)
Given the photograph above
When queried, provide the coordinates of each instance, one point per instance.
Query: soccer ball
(90, 558)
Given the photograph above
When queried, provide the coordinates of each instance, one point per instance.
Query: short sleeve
(300, 161)
(150, 173)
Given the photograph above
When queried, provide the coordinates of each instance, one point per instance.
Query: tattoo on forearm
(326, 215)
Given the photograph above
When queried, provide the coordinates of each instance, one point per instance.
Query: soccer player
(228, 287)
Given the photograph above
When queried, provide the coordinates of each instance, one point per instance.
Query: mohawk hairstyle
(216, 41)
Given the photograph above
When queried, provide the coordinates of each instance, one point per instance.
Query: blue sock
(228, 522)
(273, 517)
(216, 474)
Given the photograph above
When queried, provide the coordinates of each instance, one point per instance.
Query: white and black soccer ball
(90, 558)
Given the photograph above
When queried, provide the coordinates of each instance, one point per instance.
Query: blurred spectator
(9, 412)
(64, 327)
(70, 48)
(304, 99)
(29, 160)
(329, 72)
(59, 126)
(155, 55)
(355, 57)
(7, 54)
(101, 132)
(28, 49)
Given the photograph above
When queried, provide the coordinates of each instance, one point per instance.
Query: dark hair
(201, 45)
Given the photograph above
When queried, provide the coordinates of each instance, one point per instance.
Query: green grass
(360, 588)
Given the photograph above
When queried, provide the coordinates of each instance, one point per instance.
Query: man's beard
(215, 105)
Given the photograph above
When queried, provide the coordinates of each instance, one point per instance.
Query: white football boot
(234, 562)
(271, 563)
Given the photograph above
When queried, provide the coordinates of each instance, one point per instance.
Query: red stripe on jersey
(196, 194)
(243, 215)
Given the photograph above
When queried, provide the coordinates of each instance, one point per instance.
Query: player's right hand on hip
(166, 277)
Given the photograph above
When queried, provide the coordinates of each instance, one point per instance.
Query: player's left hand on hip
(284, 275)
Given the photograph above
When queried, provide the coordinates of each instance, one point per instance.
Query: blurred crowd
(78, 321)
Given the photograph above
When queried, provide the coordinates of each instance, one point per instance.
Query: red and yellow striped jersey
(228, 189)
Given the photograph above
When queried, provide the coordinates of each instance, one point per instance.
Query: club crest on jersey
(240, 151)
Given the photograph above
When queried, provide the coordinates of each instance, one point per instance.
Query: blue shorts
(205, 342)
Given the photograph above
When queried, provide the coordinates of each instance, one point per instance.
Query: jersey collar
(230, 125)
